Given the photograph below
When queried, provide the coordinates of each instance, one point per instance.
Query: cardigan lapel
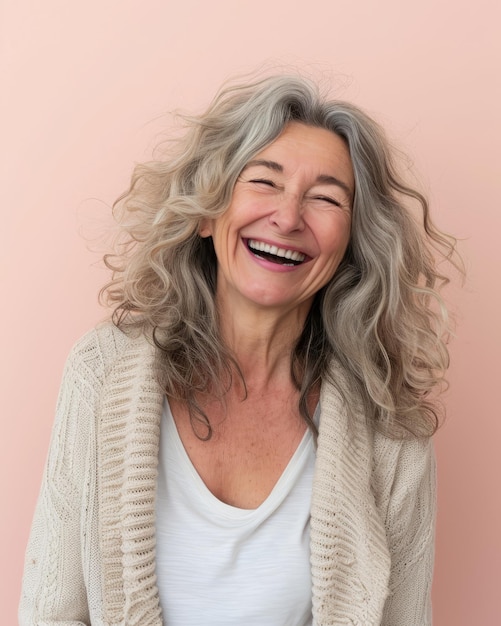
(128, 457)
(349, 553)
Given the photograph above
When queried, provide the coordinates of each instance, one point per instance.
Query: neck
(261, 340)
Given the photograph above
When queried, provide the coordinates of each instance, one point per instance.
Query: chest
(251, 444)
(254, 565)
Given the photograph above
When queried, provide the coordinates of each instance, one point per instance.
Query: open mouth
(281, 256)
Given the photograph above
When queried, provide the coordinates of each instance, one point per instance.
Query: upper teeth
(265, 247)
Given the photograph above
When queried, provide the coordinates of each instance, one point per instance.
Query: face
(288, 224)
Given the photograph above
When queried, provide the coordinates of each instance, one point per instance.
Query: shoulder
(389, 458)
(395, 468)
(100, 349)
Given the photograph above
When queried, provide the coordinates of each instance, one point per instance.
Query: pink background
(84, 90)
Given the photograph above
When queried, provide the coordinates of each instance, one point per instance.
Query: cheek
(335, 235)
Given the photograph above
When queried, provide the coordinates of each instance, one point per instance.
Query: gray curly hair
(380, 319)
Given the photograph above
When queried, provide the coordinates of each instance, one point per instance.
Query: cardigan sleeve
(54, 589)
(410, 503)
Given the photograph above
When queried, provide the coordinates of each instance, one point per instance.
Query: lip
(277, 244)
(269, 265)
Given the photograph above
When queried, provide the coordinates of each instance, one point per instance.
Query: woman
(249, 442)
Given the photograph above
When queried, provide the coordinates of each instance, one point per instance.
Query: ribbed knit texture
(91, 555)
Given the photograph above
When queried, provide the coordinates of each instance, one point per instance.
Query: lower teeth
(279, 260)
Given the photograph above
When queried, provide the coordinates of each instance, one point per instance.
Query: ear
(205, 228)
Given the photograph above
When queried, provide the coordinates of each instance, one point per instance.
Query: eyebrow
(324, 179)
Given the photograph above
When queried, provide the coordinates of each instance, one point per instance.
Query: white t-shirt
(219, 565)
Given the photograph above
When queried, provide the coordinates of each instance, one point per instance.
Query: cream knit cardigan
(91, 554)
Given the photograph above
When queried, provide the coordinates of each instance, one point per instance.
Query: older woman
(248, 442)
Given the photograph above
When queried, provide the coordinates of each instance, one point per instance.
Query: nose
(287, 215)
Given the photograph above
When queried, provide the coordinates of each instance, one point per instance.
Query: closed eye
(263, 181)
(328, 199)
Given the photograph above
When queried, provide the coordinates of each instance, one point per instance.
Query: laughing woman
(248, 440)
